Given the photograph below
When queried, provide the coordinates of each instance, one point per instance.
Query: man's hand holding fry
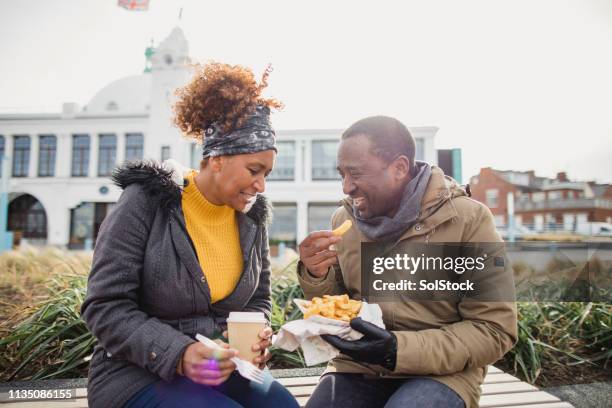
(315, 253)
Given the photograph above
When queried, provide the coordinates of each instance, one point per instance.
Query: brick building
(543, 203)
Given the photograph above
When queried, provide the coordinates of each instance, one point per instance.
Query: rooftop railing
(563, 203)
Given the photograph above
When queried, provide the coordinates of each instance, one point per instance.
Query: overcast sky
(517, 84)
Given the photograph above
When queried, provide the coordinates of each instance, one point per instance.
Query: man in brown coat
(432, 353)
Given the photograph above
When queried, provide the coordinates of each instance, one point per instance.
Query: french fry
(342, 229)
(338, 307)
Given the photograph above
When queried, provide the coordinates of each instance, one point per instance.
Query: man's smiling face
(375, 186)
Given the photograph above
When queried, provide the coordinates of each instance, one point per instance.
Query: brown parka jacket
(450, 342)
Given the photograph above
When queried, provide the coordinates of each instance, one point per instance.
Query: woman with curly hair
(180, 251)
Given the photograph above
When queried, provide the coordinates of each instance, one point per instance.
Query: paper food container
(306, 333)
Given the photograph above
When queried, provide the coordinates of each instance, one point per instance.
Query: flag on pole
(134, 5)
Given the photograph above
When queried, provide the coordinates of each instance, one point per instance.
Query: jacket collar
(164, 183)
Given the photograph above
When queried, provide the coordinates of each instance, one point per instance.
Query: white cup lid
(246, 317)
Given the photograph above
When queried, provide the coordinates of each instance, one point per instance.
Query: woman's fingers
(225, 364)
(262, 345)
(266, 333)
(210, 374)
(261, 361)
(222, 344)
(209, 353)
(213, 364)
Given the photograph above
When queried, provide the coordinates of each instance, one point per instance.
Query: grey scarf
(383, 228)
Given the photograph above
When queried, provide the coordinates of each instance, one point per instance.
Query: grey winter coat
(147, 295)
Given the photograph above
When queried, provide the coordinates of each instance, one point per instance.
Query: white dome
(126, 95)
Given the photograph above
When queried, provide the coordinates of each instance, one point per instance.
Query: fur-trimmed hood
(164, 182)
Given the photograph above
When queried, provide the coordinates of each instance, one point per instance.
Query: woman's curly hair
(220, 93)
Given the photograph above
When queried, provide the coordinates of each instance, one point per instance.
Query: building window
(1, 154)
(555, 195)
(324, 160)
(419, 153)
(27, 219)
(134, 143)
(283, 231)
(21, 156)
(196, 155)
(284, 168)
(81, 225)
(80, 155)
(538, 221)
(492, 197)
(107, 155)
(85, 222)
(319, 216)
(537, 197)
(165, 153)
(47, 147)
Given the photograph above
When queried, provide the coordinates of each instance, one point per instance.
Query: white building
(59, 164)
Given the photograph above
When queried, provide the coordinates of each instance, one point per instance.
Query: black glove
(377, 346)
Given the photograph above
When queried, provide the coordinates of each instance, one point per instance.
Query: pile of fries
(334, 307)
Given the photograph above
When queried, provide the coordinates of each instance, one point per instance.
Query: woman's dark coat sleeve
(111, 309)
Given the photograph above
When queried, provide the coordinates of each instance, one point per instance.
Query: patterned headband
(254, 136)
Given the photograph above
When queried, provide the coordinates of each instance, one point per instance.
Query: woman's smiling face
(239, 178)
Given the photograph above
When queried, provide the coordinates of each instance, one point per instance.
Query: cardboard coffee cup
(243, 331)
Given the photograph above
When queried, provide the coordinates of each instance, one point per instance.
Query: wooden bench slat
(488, 389)
(524, 398)
(507, 388)
(290, 381)
(301, 390)
(500, 378)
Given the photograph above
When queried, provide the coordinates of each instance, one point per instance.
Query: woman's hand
(204, 365)
(262, 346)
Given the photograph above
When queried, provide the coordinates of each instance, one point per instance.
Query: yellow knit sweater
(214, 232)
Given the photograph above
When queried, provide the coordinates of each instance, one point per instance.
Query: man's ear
(401, 168)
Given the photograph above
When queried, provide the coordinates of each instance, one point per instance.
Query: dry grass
(24, 275)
